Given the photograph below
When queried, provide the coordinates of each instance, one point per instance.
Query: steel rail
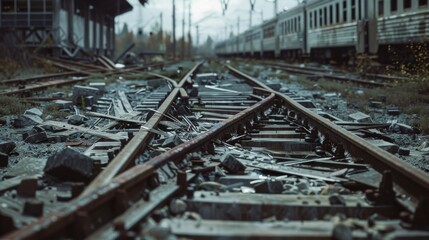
(43, 85)
(36, 78)
(411, 180)
(139, 142)
(129, 184)
(325, 75)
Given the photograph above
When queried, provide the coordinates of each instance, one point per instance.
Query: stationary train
(334, 29)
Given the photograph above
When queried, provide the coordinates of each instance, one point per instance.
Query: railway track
(75, 72)
(227, 157)
(342, 76)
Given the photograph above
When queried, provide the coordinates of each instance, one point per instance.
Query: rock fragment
(80, 92)
(231, 164)
(7, 147)
(269, 186)
(4, 160)
(76, 119)
(69, 165)
(172, 141)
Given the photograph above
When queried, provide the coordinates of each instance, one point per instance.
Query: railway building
(61, 27)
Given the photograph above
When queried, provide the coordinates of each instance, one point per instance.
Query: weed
(9, 68)
(11, 106)
(53, 110)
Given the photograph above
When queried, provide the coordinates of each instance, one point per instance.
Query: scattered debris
(76, 119)
(360, 117)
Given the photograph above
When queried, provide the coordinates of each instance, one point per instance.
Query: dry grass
(410, 97)
(53, 110)
(9, 68)
(11, 106)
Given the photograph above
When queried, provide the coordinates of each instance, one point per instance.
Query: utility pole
(174, 29)
(275, 8)
(198, 37)
(182, 52)
(250, 18)
(189, 32)
(238, 25)
(162, 33)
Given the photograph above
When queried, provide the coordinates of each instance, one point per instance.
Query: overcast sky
(207, 13)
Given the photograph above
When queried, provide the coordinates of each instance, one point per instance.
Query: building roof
(113, 7)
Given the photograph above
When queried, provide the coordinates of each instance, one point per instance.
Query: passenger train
(334, 29)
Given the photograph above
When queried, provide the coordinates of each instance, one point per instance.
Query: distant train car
(400, 23)
(269, 38)
(291, 30)
(340, 30)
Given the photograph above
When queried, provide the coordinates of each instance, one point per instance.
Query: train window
(344, 11)
(331, 13)
(295, 26)
(423, 2)
(353, 10)
(407, 4)
(325, 16)
(311, 20)
(8, 6)
(337, 13)
(393, 5)
(380, 7)
(315, 19)
(360, 9)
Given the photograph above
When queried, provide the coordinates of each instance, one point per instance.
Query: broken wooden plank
(120, 119)
(248, 207)
(125, 101)
(85, 130)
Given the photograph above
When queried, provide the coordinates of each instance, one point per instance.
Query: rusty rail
(411, 180)
(139, 142)
(311, 71)
(127, 186)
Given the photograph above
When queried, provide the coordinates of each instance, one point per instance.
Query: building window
(8, 6)
(407, 4)
(393, 5)
(22, 6)
(380, 7)
(299, 23)
(321, 18)
(353, 10)
(37, 6)
(311, 20)
(331, 13)
(48, 6)
(423, 3)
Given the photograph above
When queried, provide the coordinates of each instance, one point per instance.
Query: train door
(367, 27)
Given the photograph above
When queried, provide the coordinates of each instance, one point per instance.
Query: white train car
(334, 28)
(402, 22)
(269, 38)
(292, 34)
